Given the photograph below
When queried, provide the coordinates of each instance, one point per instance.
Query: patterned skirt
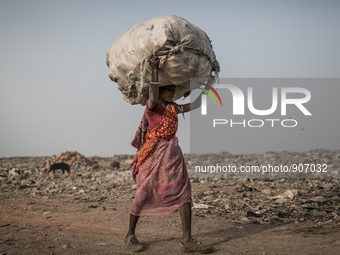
(162, 180)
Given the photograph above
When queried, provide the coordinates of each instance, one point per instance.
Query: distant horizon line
(185, 153)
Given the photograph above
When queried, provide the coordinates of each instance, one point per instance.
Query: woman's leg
(132, 224)
(131, 240)
(190, 245)
(185, 212)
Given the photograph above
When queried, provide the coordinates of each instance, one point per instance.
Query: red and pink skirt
(163, 183)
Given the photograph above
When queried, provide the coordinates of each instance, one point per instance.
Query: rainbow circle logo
(213, 90)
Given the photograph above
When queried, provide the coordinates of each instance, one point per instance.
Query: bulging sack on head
(185, 52)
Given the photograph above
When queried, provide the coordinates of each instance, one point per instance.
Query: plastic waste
(316, 213)
(286, 194)
(201, 206)
(282, 200)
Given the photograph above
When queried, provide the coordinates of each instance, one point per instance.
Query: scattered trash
(252, 214)
(243, 201)
(107, 208)
(326, 186)
(13, 173)
(286, 194)
(243, 220)
(72, 158)
(80, 192)
(201, 206)
(282, 200)
(316, 213)
(196, 180)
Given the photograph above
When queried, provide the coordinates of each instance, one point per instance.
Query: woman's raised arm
(154, 84)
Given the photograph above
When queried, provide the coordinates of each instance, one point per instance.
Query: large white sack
(185, 52)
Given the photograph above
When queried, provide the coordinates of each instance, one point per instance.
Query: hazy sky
(55, 93)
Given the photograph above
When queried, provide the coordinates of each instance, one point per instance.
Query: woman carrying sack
(163, 184)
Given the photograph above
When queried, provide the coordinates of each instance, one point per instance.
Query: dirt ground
(64, 225)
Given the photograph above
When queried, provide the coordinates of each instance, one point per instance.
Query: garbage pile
(91, 179)
(124, 160)
(72, 158)
(28, 164)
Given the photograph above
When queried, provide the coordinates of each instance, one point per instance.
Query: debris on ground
(240, 200)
